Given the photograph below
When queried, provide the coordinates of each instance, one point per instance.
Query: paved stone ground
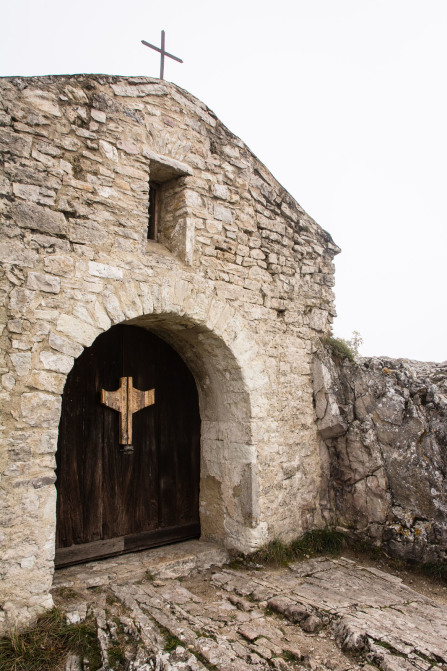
(180, 608)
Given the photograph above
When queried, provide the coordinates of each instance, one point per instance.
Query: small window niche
(168, 221)
(154, 197)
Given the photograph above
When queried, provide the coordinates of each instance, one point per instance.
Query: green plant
(117, 658)
(274, 553)
(339, 348)
(319, 541)
(171, 642)
(43, 646)
(435, 569)
(355, 342)
(342, 348)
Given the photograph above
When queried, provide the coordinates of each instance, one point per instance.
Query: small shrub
(339, 348)
(355, 342)
(344, 349)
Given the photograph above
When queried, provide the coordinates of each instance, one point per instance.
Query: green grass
(329, 541)
(274, 553)
(171, 641)
(45, 645)
(436, 570)
(339, 348)
(117, 658)
(310, 544)
(204, 661)
(319, 541)
(289, 656)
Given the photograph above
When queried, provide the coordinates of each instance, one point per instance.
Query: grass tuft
(339, 348)
(171, 642)
(319, 541)
(117, 657)
(45, 645)
(274, 553)
(436, 570)
(312, 543)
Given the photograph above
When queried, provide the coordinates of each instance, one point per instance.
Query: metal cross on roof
(162, 52)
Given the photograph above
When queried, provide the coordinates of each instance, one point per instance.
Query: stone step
(169, 561)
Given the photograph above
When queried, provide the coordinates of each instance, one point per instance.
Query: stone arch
(222, 354)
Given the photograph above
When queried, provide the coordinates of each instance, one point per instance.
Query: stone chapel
(162, 296)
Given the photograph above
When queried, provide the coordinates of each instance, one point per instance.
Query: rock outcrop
(384, 451)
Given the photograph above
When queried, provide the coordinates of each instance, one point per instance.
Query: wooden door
(110, 501)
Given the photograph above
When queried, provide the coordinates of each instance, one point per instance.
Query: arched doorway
(113, 498)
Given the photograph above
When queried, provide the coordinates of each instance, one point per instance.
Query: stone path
(321, 614)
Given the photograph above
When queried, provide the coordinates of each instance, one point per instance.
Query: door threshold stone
(163, 563)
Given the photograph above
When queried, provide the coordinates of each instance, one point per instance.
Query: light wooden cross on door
(127, 400)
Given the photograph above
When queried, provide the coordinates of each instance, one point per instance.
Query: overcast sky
(345, 101)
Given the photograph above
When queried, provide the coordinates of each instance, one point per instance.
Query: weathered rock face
(384, 428)
(238, 280)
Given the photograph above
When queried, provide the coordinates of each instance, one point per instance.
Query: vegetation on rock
(50, 640)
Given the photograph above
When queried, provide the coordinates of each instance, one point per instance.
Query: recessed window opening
(166, 206)
(153, 211)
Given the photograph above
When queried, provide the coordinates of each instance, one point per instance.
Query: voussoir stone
(60, 363)
(80, 331)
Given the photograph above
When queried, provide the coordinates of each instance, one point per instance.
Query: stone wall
(383, 424)
(239, 283)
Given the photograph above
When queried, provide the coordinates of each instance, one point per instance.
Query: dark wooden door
(110, 501)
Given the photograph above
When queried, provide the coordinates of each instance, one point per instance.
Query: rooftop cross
(162, 52)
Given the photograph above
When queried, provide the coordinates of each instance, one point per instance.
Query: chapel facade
(162, 296)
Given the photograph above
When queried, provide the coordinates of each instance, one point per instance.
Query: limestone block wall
(239, 281)
(384, 451)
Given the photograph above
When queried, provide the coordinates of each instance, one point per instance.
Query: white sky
(345, 101)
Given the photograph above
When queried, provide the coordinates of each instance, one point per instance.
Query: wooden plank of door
(75, 554)
(161, 537)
